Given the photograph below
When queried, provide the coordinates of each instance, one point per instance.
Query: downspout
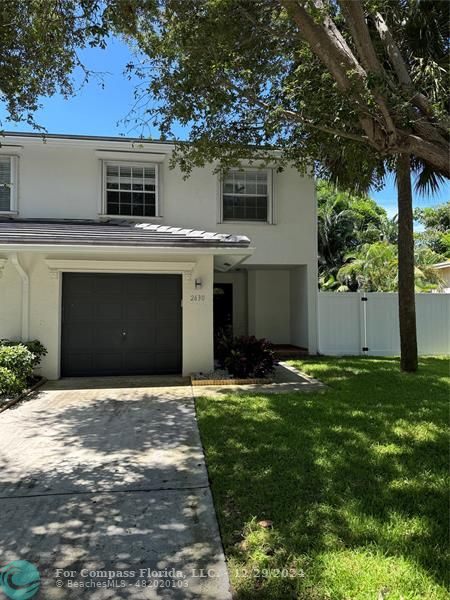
(25, 297)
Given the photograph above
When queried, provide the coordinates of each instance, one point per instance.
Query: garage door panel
(104, 362)
(136, 285)
(166, 362)
(168, 285)
(140, 338)
(135, 308)
(166, 338)
(79, 283)
(108, 311)
(140, 362)
(80, 363)
(77, 339)
(121, 324)
(105, 285)
(165, 311)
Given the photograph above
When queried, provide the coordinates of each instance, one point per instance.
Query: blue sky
(101, 106)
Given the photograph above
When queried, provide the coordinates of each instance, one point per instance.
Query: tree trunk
(406, 298)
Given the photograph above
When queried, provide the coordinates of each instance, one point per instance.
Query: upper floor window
(131, 189)
(247, 195)
(8, 183)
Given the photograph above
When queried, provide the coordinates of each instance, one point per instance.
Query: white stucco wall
(10, 309)
(45, 305)
(299, 306)
(269, 304)
(62, 179)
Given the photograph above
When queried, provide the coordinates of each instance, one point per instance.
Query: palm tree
(374, 268)
(336, 226)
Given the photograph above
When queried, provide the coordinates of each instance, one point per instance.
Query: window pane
(248, 208)
(149, 210)
(228, 185)
(138, 210)
(138, 199)
(227, 213)
(245, 195)
(125, 197)
(5, 198)
(112, 197)
(131, 190)
(262, 187)
(5, 181)
(5, 170)
(112, 170)
(125, 171)
(138, 172)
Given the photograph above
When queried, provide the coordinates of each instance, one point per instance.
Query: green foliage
(243, 77)
(345, 224)
(34, 346)
(436, 234)
(374, 268)
(18, 359)
(245, 356)
(10, 383)
(39, 47)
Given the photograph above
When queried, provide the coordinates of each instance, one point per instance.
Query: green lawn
(354, 480)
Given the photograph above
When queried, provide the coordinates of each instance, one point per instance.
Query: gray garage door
(120, 324)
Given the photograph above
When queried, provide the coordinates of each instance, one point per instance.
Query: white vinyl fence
(348, 324)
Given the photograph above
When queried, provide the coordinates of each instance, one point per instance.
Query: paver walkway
(110, 478)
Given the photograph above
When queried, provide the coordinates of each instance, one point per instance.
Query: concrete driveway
(110, 479)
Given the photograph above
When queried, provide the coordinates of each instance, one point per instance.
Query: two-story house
(119, 265)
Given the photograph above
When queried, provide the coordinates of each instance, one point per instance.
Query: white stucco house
(118, 265)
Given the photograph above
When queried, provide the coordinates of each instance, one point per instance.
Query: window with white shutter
(7, 184)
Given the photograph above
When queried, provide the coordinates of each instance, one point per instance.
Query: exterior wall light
(198, 284)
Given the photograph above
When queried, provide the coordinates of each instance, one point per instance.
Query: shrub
(17, 359)
(34, 346)
(245, 356)
(37, 349)
(10, 383)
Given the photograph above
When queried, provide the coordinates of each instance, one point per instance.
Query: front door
(223, 308)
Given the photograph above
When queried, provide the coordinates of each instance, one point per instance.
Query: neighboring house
(443, 269)
(119, 265)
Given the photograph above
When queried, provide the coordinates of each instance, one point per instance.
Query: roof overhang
(442, 265)
(153, 242)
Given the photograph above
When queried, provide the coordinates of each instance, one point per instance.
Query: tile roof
(112, 233)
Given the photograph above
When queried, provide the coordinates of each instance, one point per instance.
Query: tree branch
(399, 65)
(429, 152)
(328, 45)
(356, 22)
(292, 115)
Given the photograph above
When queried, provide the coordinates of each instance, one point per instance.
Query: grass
(354, 480)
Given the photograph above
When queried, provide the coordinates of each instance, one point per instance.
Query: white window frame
(13, 201)
(271, 220)
(118, 163)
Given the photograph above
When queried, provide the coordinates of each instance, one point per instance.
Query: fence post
(363, 328)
